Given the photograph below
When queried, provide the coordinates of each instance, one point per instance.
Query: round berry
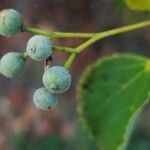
(12, 64)
(43, 99)
(57, 79)
(11, 22)
(39, 47)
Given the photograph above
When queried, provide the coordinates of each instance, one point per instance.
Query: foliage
(112, 91)
(140, 5)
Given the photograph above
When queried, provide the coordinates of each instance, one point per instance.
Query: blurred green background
(22, 126)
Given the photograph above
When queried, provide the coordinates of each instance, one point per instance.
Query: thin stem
(112, 32)
(123, 29)
(58, 34)
(70, 61)
(85, 44)
(63, 49)
(25, 55)
(102, 35)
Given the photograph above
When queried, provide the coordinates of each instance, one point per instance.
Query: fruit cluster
(56, 79)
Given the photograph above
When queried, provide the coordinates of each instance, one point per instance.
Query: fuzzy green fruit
(43, 99)
(57, 79)
(11, 22)
(39, 47)
(12, 64)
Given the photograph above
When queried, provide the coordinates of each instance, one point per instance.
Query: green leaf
(140, 5)
(111, 91)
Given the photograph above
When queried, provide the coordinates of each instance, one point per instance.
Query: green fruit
(43, 99)
(39, 47)
(10, 22)
(57, 79)
(12, 64)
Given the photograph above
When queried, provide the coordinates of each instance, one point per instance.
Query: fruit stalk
(112, 32)
(102, 35)
(57, 34)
